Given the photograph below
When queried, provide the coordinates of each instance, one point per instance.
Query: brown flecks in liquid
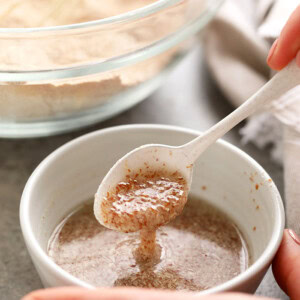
(251, 178)
(204, 187)
(257, 207)
(270, 180)
(201, 248)
(254, 228)
(170, 153)
(256, 186)
(145, 201)
(146, 165)
(189, 166)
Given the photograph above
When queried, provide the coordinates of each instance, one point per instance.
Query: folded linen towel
(236, 46)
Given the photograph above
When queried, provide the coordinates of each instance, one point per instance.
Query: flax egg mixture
(144, 201)
(198, 249)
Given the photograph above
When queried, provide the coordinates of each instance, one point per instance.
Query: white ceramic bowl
(72, 173)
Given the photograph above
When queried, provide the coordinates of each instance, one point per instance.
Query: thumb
(287, 45)
(286, 265)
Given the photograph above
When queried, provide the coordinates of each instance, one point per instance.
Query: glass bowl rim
(119, 61)
(131, 15)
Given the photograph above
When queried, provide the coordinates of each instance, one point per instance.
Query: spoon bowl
(144, 159)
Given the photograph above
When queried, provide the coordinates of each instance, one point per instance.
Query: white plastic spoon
(182, 158)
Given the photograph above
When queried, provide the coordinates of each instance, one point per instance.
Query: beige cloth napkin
(236, 46)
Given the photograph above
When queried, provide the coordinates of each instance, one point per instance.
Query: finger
(231, 296)
(286, 265)
(75, 293)
(63, 293)
(288, 44)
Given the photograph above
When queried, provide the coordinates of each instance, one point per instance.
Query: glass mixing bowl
(56, 79)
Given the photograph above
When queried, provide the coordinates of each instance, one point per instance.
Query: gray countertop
(189, 98)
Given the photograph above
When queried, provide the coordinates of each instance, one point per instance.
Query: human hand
(75, 293)
(286, 265)
(286, 268)
(287, 46)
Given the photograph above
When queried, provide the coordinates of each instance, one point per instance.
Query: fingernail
(294, 236)
(272, 50)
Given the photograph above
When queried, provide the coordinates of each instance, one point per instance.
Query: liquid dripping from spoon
(142, 202)
(148, 248)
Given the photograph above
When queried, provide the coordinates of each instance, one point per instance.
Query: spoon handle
(283, 81)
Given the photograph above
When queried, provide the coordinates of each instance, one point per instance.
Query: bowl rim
(130, 15)
(96, 66)
(45, 261)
